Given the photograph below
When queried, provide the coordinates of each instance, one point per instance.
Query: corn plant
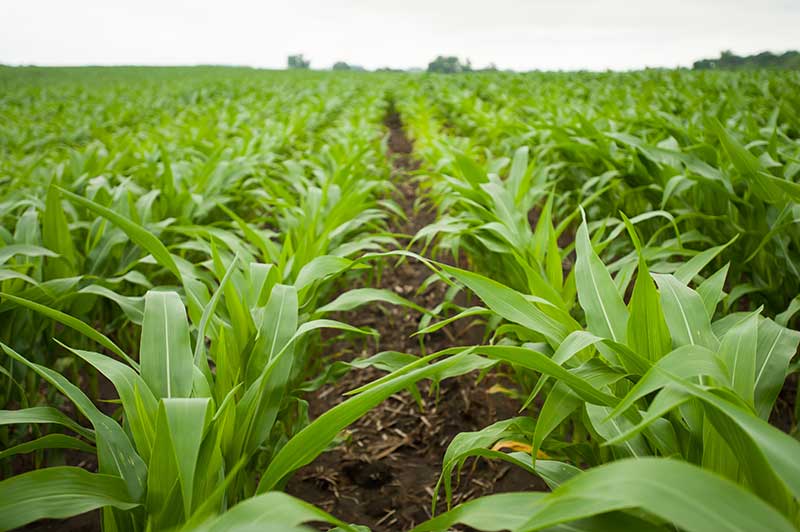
(724, 168)
(191, 231)
(651, 383)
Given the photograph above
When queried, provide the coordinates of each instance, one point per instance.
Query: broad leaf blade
(165, 353)
(58, 493)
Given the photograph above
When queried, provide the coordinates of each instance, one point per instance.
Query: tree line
(442, 64)
(729, 61)
(448, 64)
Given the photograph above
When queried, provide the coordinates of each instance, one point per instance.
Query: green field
(214, 282)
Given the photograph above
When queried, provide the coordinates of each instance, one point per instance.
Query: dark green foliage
(730, 61)
(341, 65)
(449, 65)
(298, 61)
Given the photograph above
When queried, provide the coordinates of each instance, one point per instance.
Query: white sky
(518, 34)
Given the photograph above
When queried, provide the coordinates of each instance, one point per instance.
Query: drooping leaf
(678, 492)
(137, 233)
(49, 441)
(43, 414)
(72, 323)
(58, 493)
(513, 306)
(270, 512)
(312, 440)
(116, 455)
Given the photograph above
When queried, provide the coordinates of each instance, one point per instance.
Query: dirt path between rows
(384, 473)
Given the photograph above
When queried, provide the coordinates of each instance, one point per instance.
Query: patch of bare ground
(384, 473)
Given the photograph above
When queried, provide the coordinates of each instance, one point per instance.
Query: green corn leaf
(790, 189)
(208, 312)
(56, 236)
(466, 313)
(765, 453)
(73, 323)
(311, 441)
(271, 363)
(321, 268)
(361, 296)
(138, 402)
(748, 165)
(165, 354)
(509, 511)
(278, 325)
(685, 314)
(648, 334)
(666, 400)
(137, 233)
(562, 400)
(577, 342)
(717, 455)
(240, 318)
(544, 230)
(737, 292)
(536, 361)
(609, 428)
(133, 307)
(7, 274)
(559, 404)
(784, 317)
(678, 492)
(519, 166)
(184, 421)
(686, 362)
(712, 290)
(687, 271)
(58, 493)
(50, 441)
(264, 245)
(776, 347)
(43, 414)
(606, 314)
(554, 264)
(258, 408)
(115, 452)
(513, 306)
(738, 351)
(26, 250)
(270, 512)
(490, 513)
(464, 445)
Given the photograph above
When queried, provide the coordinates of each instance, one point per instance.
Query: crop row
(173, 241)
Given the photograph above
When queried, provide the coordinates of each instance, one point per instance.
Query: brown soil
(782, 415)
(88, 522)
(384, 473)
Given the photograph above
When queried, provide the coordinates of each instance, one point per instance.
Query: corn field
(221, 287)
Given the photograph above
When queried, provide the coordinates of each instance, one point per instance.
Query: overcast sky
(518, 34)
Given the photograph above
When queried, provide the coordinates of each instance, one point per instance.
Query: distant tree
(449, 65)
(341, 65)
(298, 61)
(730, 61)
